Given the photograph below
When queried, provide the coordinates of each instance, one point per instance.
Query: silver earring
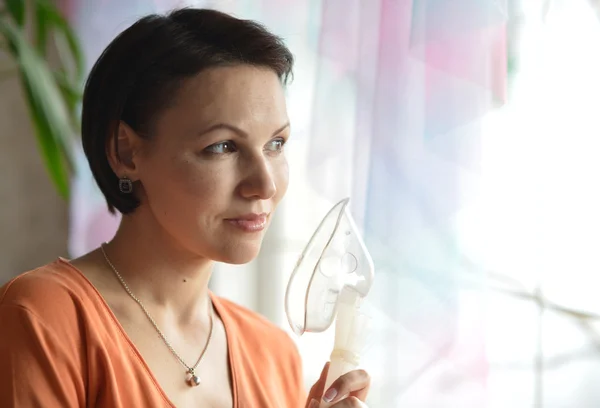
(125, 185)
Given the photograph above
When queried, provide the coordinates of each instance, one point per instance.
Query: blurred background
(465, 133)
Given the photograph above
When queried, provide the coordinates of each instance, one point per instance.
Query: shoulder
(38, 317)
(50, 292)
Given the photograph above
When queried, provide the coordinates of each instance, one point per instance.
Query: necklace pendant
(193, 380)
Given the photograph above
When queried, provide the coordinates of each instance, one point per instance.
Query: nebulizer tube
(329, 283)
(350, 332)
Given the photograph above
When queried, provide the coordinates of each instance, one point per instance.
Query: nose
(258, 181)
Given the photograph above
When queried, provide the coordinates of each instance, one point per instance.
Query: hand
(348, 391)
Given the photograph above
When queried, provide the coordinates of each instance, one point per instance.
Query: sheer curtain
(476, 197)
(401, 91)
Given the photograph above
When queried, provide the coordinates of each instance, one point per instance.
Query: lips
(249, 222)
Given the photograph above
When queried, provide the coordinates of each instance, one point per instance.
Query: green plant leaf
(72, 96)
(16, 8)
(42, 16)
(47, 107)
(51, 151)
(48, 19)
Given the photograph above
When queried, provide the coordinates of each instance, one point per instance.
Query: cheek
(196, 180)
(176, 183)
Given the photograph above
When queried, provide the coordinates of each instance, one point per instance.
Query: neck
(159, 271)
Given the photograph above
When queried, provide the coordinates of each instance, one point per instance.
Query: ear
(121, 150)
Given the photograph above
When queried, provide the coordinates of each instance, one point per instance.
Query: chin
(239, 254)
(238, 259)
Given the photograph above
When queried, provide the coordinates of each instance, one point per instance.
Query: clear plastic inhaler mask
(332, 277)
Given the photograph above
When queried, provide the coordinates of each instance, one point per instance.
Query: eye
(275, 145)
(221, 148)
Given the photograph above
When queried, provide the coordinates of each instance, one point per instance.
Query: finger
(319, 386)
(355, 383)
(313, 403)
(316, 391)
(350, 402)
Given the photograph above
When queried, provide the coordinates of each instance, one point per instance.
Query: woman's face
(214, 170)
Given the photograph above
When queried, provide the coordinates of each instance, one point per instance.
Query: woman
(184, 123)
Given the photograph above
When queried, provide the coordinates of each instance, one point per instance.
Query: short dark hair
(140, 71)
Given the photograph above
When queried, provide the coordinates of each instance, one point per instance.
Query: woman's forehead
(232, 94)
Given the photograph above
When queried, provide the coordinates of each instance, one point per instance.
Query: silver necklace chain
(193, 380)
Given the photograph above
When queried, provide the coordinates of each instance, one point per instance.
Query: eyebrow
(237, 130)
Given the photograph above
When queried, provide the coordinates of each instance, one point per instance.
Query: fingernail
(330, 395)
(313, 403)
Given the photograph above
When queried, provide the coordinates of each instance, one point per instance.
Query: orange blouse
(61, 346)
